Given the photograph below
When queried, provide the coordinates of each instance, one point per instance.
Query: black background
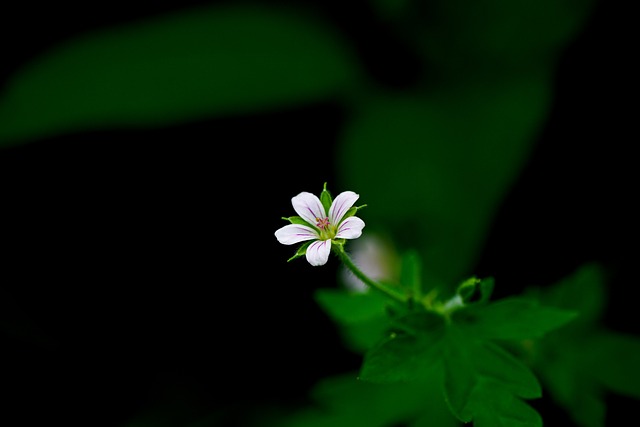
(125, 288)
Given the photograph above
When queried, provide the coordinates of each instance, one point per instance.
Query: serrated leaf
(512, 318)
(482, 377)
(407, 355)
(184, 66)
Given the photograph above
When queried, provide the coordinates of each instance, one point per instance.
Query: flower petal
(351, 228)
(318, 252)
(341, 205)
(295, 233)
(309, 207)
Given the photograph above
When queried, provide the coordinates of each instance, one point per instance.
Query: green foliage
(582, 361)
(361, 317)
(512, 318)
(344, 401)
(407, 353)
(458, 344)
(483, 383)
(448, 150)
(199, 63)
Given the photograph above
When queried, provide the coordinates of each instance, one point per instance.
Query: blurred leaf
(491, 38)
(360, 317)
(582, 361)
(435, 166)
(615, 362)
(411, 272)
(184, 66)
(483, 383)
(563, 368)
(512, 318)
(349, 307)
(583, 291)
(343, 401)
(437, 160)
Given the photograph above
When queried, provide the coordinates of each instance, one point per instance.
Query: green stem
(390, 292)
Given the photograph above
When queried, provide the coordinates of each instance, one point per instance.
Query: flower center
(322, 223)
(327, 231)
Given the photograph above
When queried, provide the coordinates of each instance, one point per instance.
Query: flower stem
(390, 292)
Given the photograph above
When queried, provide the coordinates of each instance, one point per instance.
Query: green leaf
(567, 376)
(411, 272)
(615, 362)
(582, 361)
(512, 318)
(183, 66)
(504, 410)
(436, 160)
(343, 401)
(361, 317)
(348, 307)
(435, 167)
(406, 355)
(484, 383)
(582, 291)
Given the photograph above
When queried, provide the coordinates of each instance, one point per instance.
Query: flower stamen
(322, 223)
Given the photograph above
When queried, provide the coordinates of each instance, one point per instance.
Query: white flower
(314, 224)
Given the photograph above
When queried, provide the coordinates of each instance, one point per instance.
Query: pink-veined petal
(341, 205)
(295, 233)
(308, 206)
(318, 252)
(351, 228)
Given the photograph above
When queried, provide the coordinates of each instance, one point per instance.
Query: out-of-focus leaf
(491, 38)
(615, 362)
(435, 162)
(411, 272)
(360, 317)
(563, 369)
(188, 65)
(343, 401)
(582, 361)
(583, 291)
(349, 307)
(484, 383)
(434, 167)
(512, 318)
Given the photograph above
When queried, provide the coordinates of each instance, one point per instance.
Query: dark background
(124, 287)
